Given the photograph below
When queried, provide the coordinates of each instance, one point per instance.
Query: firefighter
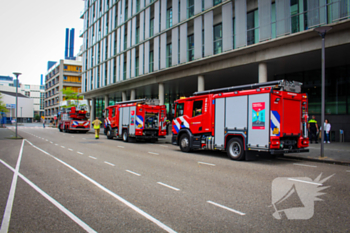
(313, 129)
(97, 124)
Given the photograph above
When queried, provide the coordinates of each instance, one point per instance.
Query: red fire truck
(244, 120)
(136, 119)
(73, 119)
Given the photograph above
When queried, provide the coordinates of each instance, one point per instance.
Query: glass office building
(170, 48)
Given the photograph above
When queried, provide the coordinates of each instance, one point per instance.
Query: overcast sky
(32, 32)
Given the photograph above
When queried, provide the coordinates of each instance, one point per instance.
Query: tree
(2, 105)
(37, 117)
(70, 95)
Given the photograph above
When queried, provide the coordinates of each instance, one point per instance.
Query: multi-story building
(35, 92)
(171, 48)
(66, 73)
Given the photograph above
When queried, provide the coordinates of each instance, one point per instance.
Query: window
(179, 110)
(124, 71)
(125, 41)
(168, 55)
(26, 86)
(151, 61)
(64, 77)
(151, 27)
(217, 39)
(190, 48)
(137, 36)
(216, 2)
(190, 8)
(197, 108)
(27, 93)
(252, 27)
(113, 112)
(137, 66)
(65, 67)
(169, 18)
(202, 43)
(137, 5)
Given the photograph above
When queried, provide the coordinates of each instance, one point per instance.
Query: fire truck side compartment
(259, 138)
(132, 125)
(219, 140)
(236, 113)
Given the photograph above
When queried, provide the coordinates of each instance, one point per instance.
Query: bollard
(341, 135)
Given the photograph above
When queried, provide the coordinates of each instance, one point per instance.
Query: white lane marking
(347, 170)
(47, 140)
(168, 186)
(84, 138)
(92, 157)
(226, 208)
(53, 201)
(135, 208)
(163, 146)
(153, 153)
(62, 146)
(72, 136)
(133, 173)
(51, 142)
(305, 165)
(70, 149)
(210, 164)
(80, 153)
(121, 146)
(304, 181)
(7, 215)
(56, 144)
(109, 163)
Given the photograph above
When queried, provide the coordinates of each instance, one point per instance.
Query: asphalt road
(74, 183)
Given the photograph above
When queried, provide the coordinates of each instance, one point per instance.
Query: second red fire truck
(136, 119)
(243, 120)
(73, 119)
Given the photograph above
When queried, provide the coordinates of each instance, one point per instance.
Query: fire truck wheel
(235, 149)
(109, 134)
(125, 136)
(185, 143)
(59, 128)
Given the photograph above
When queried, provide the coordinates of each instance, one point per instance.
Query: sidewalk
(7, 134)
(334, 152)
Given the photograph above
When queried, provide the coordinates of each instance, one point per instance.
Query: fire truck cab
(244, 120)
(73, 119)
(136, 119)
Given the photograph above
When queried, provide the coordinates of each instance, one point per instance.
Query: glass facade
(190, 48)
(336, 89)
(217, 39)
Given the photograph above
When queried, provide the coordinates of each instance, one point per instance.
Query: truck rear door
(291, 116)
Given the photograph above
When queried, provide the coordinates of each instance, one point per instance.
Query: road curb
(344, 163)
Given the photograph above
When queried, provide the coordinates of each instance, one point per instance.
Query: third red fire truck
(244, 120)
(136, 119)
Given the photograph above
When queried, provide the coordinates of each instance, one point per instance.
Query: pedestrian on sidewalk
(313, 129)
(326, 129)
(97, 124)
(44, 121)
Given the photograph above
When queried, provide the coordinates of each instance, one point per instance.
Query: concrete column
(262, 72)
(161, 93)
(106, 101)
(201, 83)
(89, 106)
(123, 96)
(132, 94)
(92, 113)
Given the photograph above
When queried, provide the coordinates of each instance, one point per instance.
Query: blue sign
(10, 105)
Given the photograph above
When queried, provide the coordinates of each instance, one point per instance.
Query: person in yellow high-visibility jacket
(97, 124)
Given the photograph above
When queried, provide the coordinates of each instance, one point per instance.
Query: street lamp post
(322, 32)
(17, 83)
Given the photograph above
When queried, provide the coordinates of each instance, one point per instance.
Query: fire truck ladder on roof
(144, 101)
(285, 85)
